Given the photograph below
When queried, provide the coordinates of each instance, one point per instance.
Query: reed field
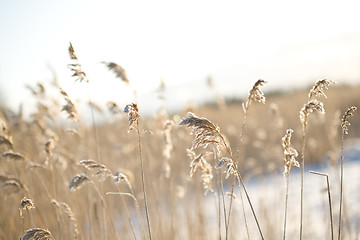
(235, 169)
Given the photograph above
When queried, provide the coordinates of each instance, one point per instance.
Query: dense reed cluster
(178, 175)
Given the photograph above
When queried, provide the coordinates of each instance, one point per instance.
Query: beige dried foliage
(132, 111)
(37, 234)
(309, 108)
(69, 214)
(319, 87)
(69, 107)
(118, 70)
(205, 132)
(255, 94)
(101, 170)
(78, 181)
(344, 121)
(75, 66)
(199, 162)
(122, 177)
(290, 153)
(25, 204)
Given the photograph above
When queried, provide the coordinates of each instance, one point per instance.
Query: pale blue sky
(290, 44)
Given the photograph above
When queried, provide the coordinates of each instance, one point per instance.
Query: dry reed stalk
(132, 111)
(118, 70)
(329, 197)
(77, 182)
(70, 215)
(289, 156)
(25, 204)
(255, 94)
(344, 126)
(37, 234)
(311, 106)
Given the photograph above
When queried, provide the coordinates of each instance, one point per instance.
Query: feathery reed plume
(344, 121)
(101, 169)
(69, 107)
(319, 87)
(70, 215)
(118, 70)
(167, 147)
(255, 94)
(329, 197)
(205, 132)
(37, 234)
(344, 126)
(290, 154)
(26, 203)
(113, 107)
(309, 108)
(78, 181)
(205, 167)
(76, 66)
(133, 113)
(12, 155)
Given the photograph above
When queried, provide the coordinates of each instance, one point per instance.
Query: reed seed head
(319, 87)
(344, 121)
(309, 108)
(118, 70)
(290, 153)
(26, 203)
(37, 234)
(205, 132)
(76, 66)
(255, 94)
(102, 171)
(78, 181)
(133, 113)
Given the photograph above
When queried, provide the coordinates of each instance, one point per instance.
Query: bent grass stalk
(329, 197)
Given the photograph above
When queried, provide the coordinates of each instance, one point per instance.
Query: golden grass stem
(143, 179)
(286, 203)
